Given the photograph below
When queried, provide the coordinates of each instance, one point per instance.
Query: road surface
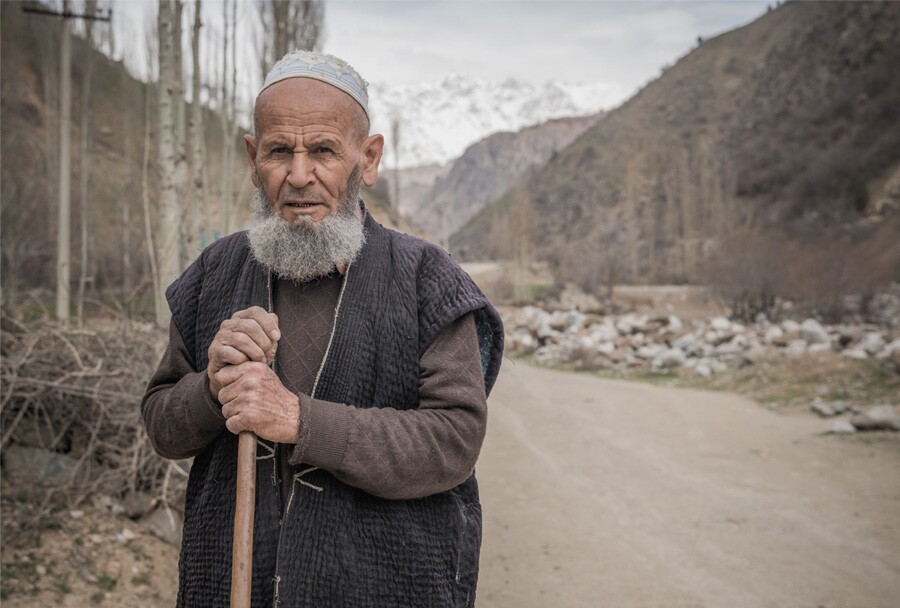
(602, 493)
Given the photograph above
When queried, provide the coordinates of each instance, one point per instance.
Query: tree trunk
(90, 7)
(169, 210)
(148, 222)
(63, 252)
(198, 169)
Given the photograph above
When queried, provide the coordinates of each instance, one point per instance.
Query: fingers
(268, 321)
(249, 335)
(247, 374)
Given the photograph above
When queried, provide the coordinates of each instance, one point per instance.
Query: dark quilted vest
(338, 547)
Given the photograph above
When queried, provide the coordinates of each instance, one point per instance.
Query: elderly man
(360, 357)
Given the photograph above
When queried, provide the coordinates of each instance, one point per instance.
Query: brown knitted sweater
(386, 452)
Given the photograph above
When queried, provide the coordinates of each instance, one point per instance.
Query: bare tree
(227, 114)
(90, 7)
(63, 251)
(169, 209)
(286, 25)
(178, 110)
(197, 161)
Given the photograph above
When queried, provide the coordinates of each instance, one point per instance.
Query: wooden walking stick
(245, 508)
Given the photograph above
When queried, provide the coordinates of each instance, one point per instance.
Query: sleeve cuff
(205, 412)
(324, 428)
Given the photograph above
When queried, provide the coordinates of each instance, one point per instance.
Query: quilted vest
(337, 546)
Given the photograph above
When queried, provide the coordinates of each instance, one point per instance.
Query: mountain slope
(488, 168)
(792, 122)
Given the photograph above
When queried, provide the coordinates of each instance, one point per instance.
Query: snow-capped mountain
(438, 120)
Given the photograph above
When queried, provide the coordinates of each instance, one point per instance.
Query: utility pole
(64, 239)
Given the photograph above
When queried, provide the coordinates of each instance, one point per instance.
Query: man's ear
(372, 150)
(251, 158)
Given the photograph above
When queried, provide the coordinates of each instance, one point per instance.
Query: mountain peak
(440, 119)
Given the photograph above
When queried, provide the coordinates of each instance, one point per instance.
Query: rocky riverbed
(640, 344)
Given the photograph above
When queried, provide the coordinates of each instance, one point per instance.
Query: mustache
(307, 193)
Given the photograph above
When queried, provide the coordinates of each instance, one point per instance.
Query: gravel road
(607, 493)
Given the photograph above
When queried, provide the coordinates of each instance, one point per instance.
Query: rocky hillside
(789, 125)
(487, 169)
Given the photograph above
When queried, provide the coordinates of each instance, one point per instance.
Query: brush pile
(71, 421)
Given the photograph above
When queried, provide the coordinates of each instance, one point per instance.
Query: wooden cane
(245, 508)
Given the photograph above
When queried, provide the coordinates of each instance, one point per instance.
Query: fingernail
(276, 334)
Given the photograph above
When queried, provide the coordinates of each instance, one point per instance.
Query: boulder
(812, 332)
(878, 418)
(651, 351)
(668, 358)
(165, 524)
(841, 427)
(790, 326)
(822, 409)
(855, 353)
(685, 342)
(34, 466)
(720, 324)
(137, 504)
(872, 343)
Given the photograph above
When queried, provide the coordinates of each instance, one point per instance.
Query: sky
(623, 43)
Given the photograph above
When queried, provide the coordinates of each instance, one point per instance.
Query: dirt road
(614, 494)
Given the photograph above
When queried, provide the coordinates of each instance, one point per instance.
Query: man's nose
(302, 172)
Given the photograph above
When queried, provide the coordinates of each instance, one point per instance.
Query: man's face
(307, 144)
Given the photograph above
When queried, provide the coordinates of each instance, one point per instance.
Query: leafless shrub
(77, 394)
(755, 271)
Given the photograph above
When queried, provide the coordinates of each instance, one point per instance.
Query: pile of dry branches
(76, 394)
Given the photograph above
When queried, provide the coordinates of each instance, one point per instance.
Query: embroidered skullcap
(324, 67)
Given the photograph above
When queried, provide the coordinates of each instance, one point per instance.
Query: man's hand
(249, 335)
(254, 399)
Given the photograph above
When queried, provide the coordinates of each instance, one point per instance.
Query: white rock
(671, 357)
(651, 351)
(703, 370)
(841, 427)
(855, 353)
(878, 418)
(675, 323)
(893, 347)
(821, 408)
(772, 334)
(41, 570)
(685, 342)
(813, 332)
(607, 348)
(720, 324)
(789, 326)
(819, 347)
(604, 333)
(871, 343)
(76, 514)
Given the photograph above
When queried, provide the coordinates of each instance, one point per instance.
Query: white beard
(306, 250)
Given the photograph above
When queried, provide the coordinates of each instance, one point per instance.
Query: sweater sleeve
(403, 454)
(179, 412)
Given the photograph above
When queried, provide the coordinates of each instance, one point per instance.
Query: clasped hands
(252, 396)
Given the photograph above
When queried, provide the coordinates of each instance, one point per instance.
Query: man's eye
(280, 150)
(322, 150)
